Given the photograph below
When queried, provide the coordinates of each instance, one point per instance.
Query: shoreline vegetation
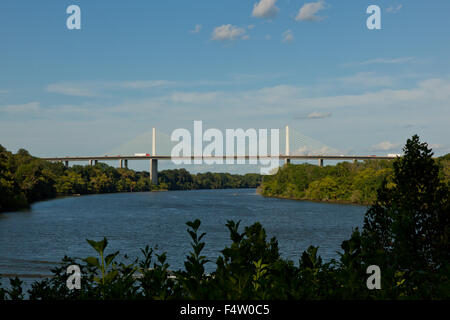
(401, 252)
(343, 183)
(25, 179)
(343, 202)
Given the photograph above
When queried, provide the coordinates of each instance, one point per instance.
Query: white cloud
(4, 91)
(394, 9)
(31, 107)
(309, 10)
(366, 79)
(250, 27)
(265, 9)
(143, 84)
(72, 89)
(380, 61)
(197, 29)
(313, 150)
(439, 89)
(436, 146)
(268, 37)
(253, 77)
(288, 36)
(290, 100)
(194, 97)
(92, 89)
(228, 32)
(385, 146)
(319, 115)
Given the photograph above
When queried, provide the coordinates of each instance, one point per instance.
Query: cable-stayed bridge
(303, 148)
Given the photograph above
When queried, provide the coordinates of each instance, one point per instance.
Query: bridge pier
(154, 162)
(287, 161)
(95, 162)
(66, 164)
(320, 162)
(91, 162)
(126, 163)
(120, 163)
(154, 171)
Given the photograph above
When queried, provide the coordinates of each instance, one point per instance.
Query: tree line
(345, 182)
(25, 179)
(406, 233)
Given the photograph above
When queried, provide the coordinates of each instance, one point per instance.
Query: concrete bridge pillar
(287, 160)
(154, 171)
(320, 162)
(154, 162)
(90, 162)
(126, 163)
(66, 164)
(120, 163)
(95, 162)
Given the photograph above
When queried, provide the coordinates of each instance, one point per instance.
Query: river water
(31, 242)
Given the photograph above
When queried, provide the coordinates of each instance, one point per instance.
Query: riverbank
(343, 202)
(344, 183)
(25, 180)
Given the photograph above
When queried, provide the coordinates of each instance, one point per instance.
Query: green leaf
(111, 276)
(99, 246)
(110, 258)
(194, 224)
(92, 261)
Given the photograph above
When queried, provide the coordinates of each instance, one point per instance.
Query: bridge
(153, 158)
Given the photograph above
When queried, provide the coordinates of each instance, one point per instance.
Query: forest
(345, 182)
(25, 179)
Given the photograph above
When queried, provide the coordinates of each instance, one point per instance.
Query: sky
(312, 65)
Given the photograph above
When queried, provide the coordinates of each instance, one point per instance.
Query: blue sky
(235, 63)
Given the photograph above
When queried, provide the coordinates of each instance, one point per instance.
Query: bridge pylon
(287, 151)
(154, 162)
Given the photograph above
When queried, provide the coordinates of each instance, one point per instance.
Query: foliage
(345, 182)
(25, 179)
(11, 195)
(181, 179)
(410, 220)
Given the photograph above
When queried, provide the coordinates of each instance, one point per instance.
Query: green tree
(407, 230)
(11, 196)
(70, 183)
(411, 220)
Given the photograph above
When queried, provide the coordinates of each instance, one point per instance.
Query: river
(32, 241)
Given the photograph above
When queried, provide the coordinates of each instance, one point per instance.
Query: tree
(11, 196)
(408, 227)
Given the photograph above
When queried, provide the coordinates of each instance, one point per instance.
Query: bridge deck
(281, 157)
